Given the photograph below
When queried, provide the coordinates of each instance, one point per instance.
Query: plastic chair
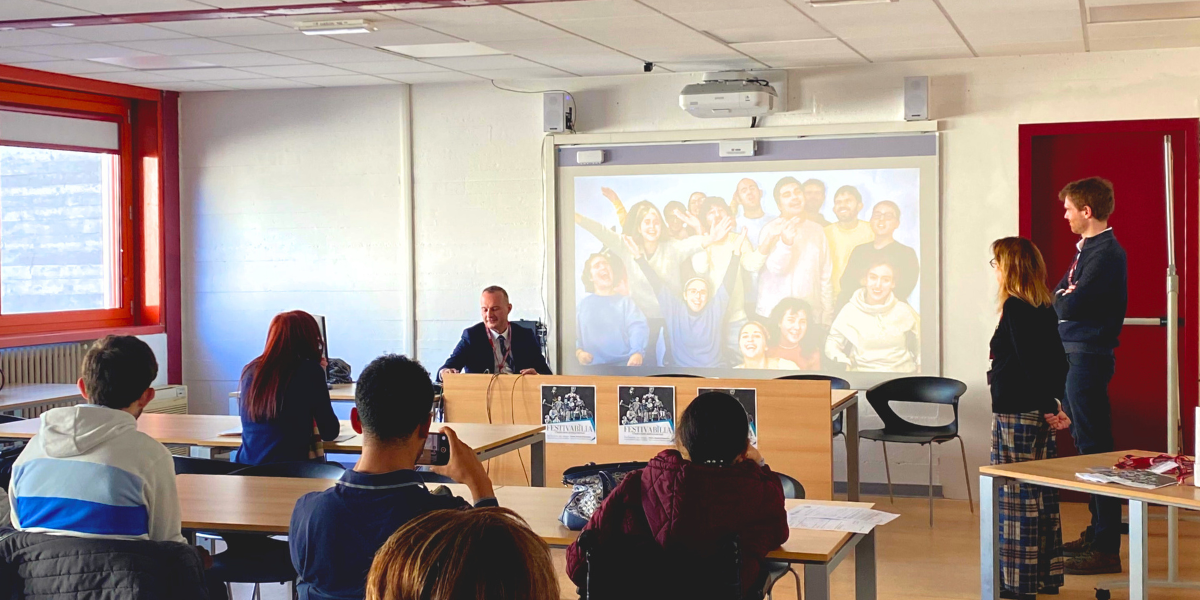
(926, 390)
(203, 466)
(776, 569)
(835, 383)
(258, 559)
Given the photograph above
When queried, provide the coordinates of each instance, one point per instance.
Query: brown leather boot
(1077, 547)
(1094, 563)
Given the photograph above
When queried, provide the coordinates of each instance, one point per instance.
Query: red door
(1130, 154)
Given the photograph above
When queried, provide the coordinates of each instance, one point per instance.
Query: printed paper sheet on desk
(837, 518)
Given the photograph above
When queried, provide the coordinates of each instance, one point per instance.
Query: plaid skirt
(1030, 527)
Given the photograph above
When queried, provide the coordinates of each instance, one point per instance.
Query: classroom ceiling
(557, 39)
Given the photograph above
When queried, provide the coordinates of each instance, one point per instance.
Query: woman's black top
(1029, 367)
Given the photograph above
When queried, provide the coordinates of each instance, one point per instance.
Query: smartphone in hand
(436, 451)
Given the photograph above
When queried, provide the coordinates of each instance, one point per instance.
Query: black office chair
(202, 466)
(4, 418)
(9, 418)
(258, 559)
(926, 390)
(677, 375)
(777, 569)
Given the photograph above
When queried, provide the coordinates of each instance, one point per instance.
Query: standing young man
(1090, 301)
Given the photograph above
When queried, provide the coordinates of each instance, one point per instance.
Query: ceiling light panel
(443, 50)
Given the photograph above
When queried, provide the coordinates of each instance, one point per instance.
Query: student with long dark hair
(1028, 377)
(283, 393)
(689, 501)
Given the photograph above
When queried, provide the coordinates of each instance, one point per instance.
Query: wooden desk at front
(230, 503)
(794, 421)
(1060, 473)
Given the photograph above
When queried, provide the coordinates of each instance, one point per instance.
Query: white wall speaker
(916, 98)
(554, 112)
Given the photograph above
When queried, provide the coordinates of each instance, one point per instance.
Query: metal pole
(1173, 421)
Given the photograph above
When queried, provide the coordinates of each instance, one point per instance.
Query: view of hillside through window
(57, 244)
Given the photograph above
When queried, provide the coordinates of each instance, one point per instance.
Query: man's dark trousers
(1091, 425)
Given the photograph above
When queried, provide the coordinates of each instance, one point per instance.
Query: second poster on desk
(748, 398)
(569, 414)
(646, 415)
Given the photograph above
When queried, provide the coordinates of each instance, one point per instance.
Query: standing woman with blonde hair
(1028, 376)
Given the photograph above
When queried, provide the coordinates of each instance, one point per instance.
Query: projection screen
(815, 255)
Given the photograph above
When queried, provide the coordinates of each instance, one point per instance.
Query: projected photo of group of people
(791, 271)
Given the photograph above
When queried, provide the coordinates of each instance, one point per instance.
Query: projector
(729, 94)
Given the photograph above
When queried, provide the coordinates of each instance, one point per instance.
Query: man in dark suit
(494, 346)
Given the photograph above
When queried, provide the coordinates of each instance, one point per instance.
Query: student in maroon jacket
(680, 506)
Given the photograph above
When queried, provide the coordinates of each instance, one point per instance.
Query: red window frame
(79, 105)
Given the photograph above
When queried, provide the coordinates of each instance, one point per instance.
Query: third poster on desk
(647, 415)
(748, 397)
(569, 413)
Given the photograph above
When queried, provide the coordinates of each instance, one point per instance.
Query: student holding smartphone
(334, 534)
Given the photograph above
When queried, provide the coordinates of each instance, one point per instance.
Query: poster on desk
(646, 415)
(748, 397)
(569, 413)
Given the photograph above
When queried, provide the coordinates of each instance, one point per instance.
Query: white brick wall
(290, 200)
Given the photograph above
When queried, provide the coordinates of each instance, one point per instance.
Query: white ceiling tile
(448, 77)
(85, 51)
(652, 38)
(574, 55)
(293, 71)
(154, 62)
(583, 9)
(1010, 27)
(526, 73)
(803, 53)
(117, 33)
(401, 35)
(210, 74)
(908, 30)
(71, 67)
(287, 41)
(133, 77)
(781, 22)
(15, 10)
(674, 6)
(343, 55)
(9, 56)
(481, 23)
(345, 80)
(245, 59)
(224, 27)
(733, 64)
(183, 46)
(391, 67)
(117, 7)
(32, 37)
(188, 86)
(1144, 35)
(470, 63)
(262, 84)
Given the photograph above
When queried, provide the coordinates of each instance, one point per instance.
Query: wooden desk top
(16, 396)
(1060, 473)
(204, 430)
(839, 398)
(264, 505)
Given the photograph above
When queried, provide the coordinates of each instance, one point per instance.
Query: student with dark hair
(691, 499)
(609, 328)
(488, 553)
(334, 534)
(283, 394)
(89, 472)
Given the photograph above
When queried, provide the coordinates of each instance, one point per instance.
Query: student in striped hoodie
(89, 472)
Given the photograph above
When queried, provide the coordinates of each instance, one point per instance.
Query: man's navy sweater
(1091, 315)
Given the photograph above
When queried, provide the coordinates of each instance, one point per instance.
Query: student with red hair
(283, 393)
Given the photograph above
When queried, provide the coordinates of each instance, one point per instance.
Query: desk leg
(864, 568)
(989, 536)
(1139, 558)
(537, 463)
(816, 581)
(851, 436)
